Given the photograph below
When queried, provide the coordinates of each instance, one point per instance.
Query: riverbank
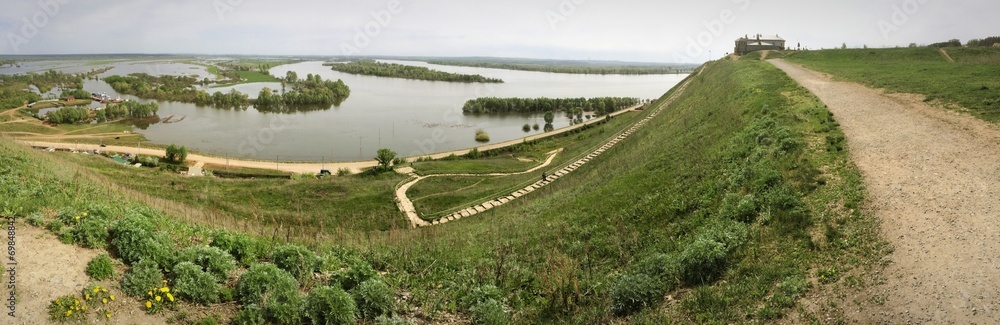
(307, 167)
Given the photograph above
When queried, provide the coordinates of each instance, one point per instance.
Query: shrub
(482, 136)
(535, 127)
(526, 127)
(249, 315)
(134, 239)
(330, 305)
(398, 161)
(142, 277)
(213, 260)
(478, 295)
(36, 219)
(662, 268)
(373, 298)
(240, 246)
(489, 312)
(632, 293)
(194, 284)
(343, 171)
(101, 267)
(703, 261)
(297, 260)
(92, 232)
(267, 285)
(353, 275)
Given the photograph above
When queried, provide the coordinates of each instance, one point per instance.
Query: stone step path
(406, 206)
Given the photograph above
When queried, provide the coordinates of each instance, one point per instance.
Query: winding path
(933, 177)
(406, 205)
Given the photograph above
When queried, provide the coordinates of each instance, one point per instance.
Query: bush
(526, 127)
(213, 260)
(36, 219)
(703, 261)
(330, 305)
(353, 275)
(144, 275)
(240, 246)
(489, 312)
(101, 267)
(632, 293)
(134, 238)
(482, 136)
(267, 285)
(535, 127)
(343, 171)
(398, 161)
(194, 284)
(66, 308)
(92, 232)
(663, 268)
(373, 298)
(478, 295)
(297, 260)
(249, 315)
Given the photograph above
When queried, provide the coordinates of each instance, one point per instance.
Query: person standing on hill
(544, 177)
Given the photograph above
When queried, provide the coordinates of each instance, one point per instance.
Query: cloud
(600, 29)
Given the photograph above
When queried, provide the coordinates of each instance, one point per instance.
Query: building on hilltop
(758, 42)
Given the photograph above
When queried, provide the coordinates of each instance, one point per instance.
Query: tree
(384, 158)
(176, 154)
(549, 117)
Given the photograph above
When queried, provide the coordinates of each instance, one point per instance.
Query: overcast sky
(628, 30)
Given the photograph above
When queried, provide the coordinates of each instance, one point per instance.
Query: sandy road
(933, 177)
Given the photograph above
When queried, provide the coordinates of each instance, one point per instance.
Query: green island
(598, 105)
(565, 66)
(371, 67)
(309, 93)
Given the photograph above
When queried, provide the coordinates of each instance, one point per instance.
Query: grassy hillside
(735, 202)
(970, 81)
(730, 206)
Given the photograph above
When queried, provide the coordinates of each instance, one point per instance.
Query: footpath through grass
(970, 82)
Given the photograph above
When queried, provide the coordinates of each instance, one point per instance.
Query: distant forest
(370, 67)
(599, 105)
(565, 66)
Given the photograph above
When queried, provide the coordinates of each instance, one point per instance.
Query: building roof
(762, 38)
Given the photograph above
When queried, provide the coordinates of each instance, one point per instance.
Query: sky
(624, 30)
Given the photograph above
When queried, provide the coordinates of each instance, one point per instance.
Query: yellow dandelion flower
(112, 297)
(84, 214)
(105, 301)
(149, 304)
(157, 298)
(84, 308)
(104, 290)
(78, 218)
(86, 297)
(164, 289)
(107, 315)
(150, 293)
(69, 312)
(164, 281)
(170, 297)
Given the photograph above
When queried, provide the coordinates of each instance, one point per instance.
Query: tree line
(129, 109)
(598, 105)
(985, 42)
(370, 67)
(14, 92)
(581, 68)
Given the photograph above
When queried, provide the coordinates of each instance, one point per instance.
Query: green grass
(348, 203)
(507, 163)
(256, 76)
(970, 82)
(30, 127)
(745, 163)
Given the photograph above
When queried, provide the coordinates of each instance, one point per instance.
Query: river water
(410, 117)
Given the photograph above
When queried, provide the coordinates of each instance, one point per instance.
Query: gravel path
(933, 177)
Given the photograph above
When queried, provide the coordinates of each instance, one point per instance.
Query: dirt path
(946, 56)
(48, 269)
(933, 177)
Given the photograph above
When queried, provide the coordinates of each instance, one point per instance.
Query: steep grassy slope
(734, 202)
(971, 81)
